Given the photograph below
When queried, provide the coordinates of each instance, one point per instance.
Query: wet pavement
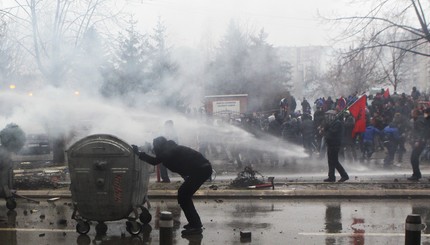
(268, 221)
(370, 208)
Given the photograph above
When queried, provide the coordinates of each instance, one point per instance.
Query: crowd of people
(392, 122)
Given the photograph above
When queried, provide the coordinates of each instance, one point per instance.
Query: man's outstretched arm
(145, 157)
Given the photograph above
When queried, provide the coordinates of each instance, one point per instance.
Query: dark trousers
(401, 149)
(348, 151)
(307, 144)
(186, 191)
(392, 146)
(368, 149)
(333, 162)
(415, 159)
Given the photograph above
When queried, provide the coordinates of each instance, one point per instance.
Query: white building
(308, 64)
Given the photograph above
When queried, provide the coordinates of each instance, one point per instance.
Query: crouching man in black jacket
(191, 165)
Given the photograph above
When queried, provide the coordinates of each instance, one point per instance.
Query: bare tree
(51, 31)
(5, 68)
(408, 17)
(11, 57)
(392, 61)
(348, 75)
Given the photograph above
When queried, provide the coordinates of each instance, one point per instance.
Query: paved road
(270, 221)
(301, 210)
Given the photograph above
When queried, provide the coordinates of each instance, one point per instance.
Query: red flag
(358, 111)
(387, 93)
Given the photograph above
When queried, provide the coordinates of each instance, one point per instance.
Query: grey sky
(189, 22)
(288, 22)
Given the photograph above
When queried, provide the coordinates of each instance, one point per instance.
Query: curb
(290, 193)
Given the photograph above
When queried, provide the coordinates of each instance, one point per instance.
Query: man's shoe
(329, 180)
(413, 178)
(187, 226)
(192, 231)
(343, 179)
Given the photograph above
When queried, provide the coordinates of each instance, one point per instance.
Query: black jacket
(177, 158)
(307, 129)
(333, 133)
(421, 129)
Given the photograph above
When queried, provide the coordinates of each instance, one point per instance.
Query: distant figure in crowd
(283, 108)
(319, 115)
(415, 94)
(307, 131)
(391, 142)
(170, 134)
(333, 133)
(420, 134)
(191, 165)
(306, 107)
(347, 150)
(292, 105)
(403, 126)
(368, 144)
(274, 129)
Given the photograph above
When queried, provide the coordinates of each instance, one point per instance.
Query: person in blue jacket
(368, 137)
(391, 142)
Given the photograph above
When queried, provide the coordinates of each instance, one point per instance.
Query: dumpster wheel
(133, 227)
(10, 203)
(101, 228)
(145, 217)
(83, 239)
(82, 227)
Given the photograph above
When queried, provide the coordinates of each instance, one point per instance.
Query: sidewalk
(393, 185)
(297, 180)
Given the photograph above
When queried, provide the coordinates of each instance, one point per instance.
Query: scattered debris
(213, 187)
(62, 222)
(264, 185)
(53, 199)
(247, 178)
(219, 201)
(30, 179)
(34, 211)
(42, 216)
(245, 234)
(42, 235)
(26, 198)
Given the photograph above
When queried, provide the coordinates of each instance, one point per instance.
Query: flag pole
(339, 114)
